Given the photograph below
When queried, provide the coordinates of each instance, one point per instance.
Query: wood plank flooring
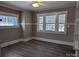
(35, 48)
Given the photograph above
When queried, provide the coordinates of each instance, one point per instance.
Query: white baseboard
(14, 41)
(27, 39)
(76, 43)
(37, 38)
(54, 41)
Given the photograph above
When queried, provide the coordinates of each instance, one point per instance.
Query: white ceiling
(26, 5)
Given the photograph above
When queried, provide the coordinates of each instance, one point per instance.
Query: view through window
(52, 22)
(8, 20)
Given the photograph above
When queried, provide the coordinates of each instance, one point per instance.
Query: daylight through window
(52, 22)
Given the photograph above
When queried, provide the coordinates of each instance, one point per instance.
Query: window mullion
(53, 22)
(56, 24)
(44, 23)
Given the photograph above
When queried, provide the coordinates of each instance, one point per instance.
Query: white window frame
(9, 14)
(56, 25)
(38, 24)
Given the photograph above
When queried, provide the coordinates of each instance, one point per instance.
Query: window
(40, 23)
(8, 20)
(52, 22)
(61, 23)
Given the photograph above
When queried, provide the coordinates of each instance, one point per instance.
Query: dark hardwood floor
(35, 48)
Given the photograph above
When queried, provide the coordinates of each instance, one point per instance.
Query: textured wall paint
(69, 36)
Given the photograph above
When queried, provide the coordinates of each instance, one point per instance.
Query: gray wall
(69, 36)
(27, 26)
(29, 30)
(76, 34)
(10, 34)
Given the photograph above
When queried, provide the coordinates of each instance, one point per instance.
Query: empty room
(39, 28)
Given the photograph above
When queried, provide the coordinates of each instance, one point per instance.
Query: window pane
(50, 27)
(40, 19)
(61, 27)
(12, 20)
(62, 18)
(0, 18)
(8, 20)
(40, 27)
(50, 19)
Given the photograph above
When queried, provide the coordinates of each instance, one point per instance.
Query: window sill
(8, 27)
(52, 32)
